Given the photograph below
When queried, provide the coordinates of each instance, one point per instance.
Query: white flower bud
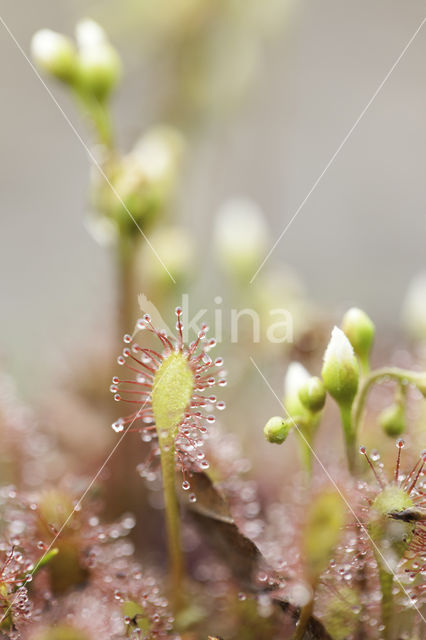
(89, 34)
(296, 378)
(241, 237)
(54, 53)
(340, 371)
(158, 153)
(414, 309)
(99, 62)
(360, 331)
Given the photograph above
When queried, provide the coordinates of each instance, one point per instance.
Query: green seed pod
(277, 429)
(340, 370)
(392, 420)
(360, 331)
(312, 394)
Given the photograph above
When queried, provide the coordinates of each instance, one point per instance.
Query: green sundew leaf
(62, 632)
(172, 389)
(322, 531)
(138, 617)
(342, 613)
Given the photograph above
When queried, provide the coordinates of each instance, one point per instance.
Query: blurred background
(265, 92)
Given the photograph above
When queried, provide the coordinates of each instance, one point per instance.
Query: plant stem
(386, 584)
(350, 436)
(167, 453)
(305, 615)
(126, 254)
(305, 438)
(100, 115)
(391, 373)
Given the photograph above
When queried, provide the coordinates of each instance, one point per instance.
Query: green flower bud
(54, 53)
(360, 331)
(312, 394)
(392, 420)
(99, 66)
(277, 429)
(340, 370)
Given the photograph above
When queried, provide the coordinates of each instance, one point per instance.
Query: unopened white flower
(158, 153)
(295, 378)
(241, 236)
(360, 331)
(414, 308)
(99, 63)
(89, 34)
(340, 370)
(54, 53)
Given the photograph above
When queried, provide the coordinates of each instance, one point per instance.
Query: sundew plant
(133, 505)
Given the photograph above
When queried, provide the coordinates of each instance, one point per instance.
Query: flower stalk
(177, 566)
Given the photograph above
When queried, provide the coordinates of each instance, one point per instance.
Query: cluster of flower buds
(305, 395)
(92, 68)
(144, 179)
(304, 399)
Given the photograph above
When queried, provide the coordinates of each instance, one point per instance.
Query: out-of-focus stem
(305, 615)
(126, 256)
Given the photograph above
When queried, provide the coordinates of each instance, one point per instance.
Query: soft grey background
(360, 237)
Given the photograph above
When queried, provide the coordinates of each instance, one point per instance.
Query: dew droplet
(186, 485)
(118, 425)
